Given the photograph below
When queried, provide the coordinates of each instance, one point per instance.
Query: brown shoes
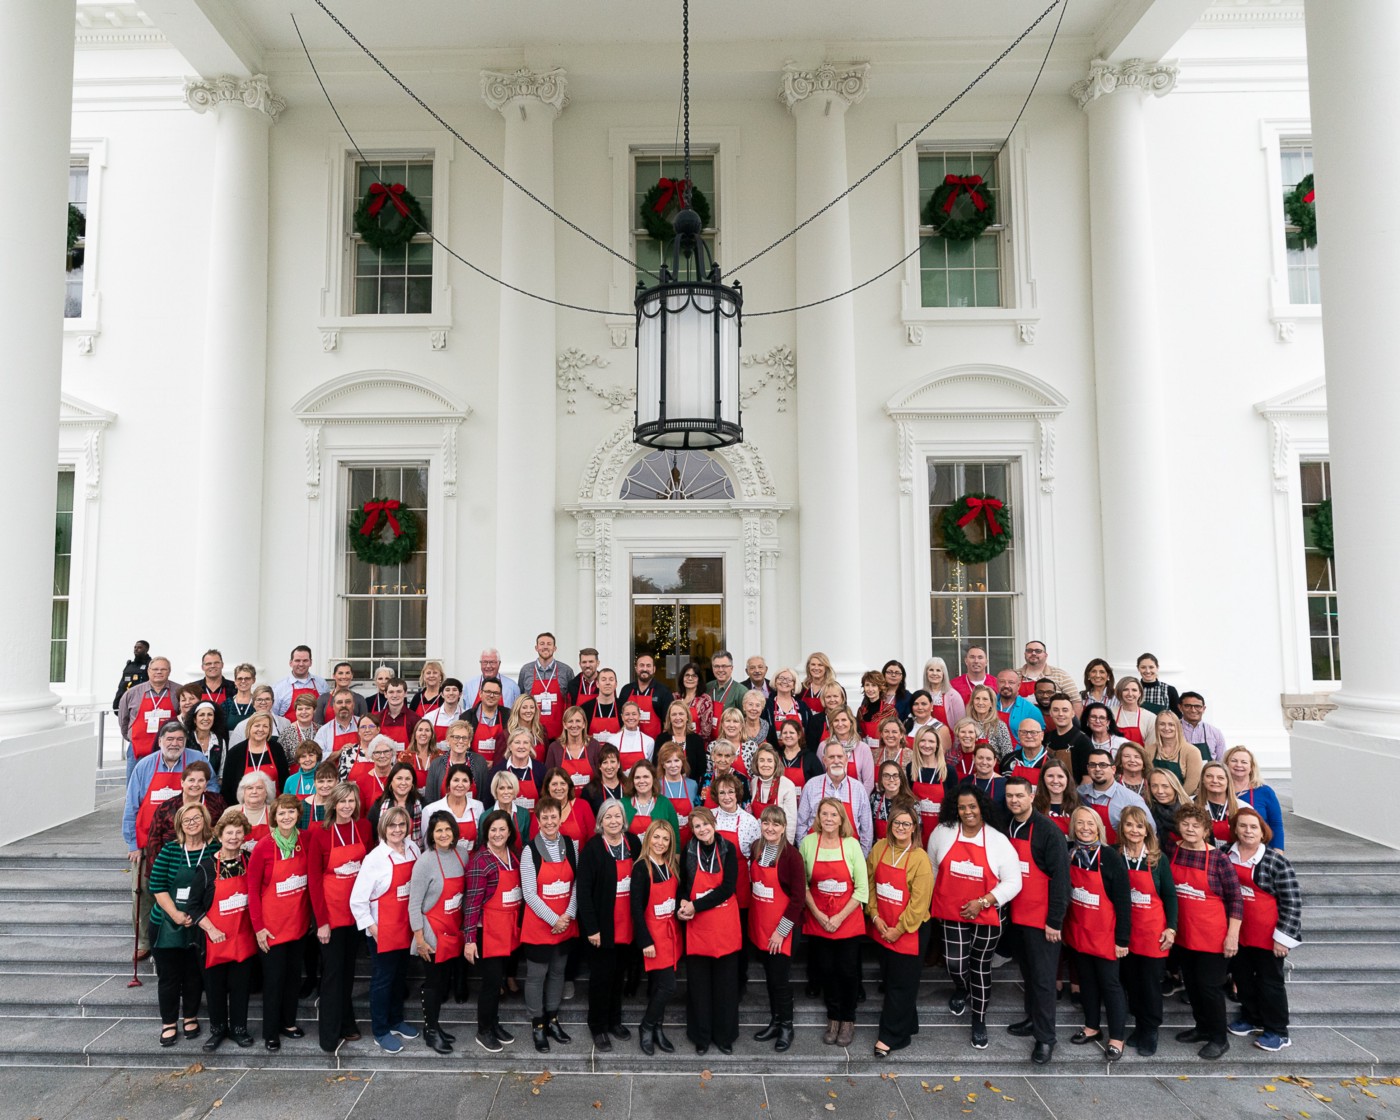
(833, 1028)
(846, 1034)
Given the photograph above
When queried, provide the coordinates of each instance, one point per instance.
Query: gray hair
(250, 778)
(608, 806)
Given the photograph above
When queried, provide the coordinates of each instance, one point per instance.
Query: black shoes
(957, 1003)
(556, 1031)
(1146, 1043)
(979, 1036)
(442, 1034)
(768, 1033)
(723, 1049)
(273, 1044)
(663, 1043)
(216, 1036)
(1191, 1034)
(785, 1033)
(487, 1041)
(1042, 1053)
(434, 1040)
(503, 1036)
(646, 1034)
(1211, 1051)
(699, 1049)
(241, 1036)
(602, 1042)
(1023, 1029)
(619, 1032)
(293, 1032)
(537, 1032)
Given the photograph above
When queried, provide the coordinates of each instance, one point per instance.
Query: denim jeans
(388, 987)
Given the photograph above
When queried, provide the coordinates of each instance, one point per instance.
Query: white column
(770, 644)
(827, 478)
(1129, 391)
(1355, 101)
(227, 576)
(525, 396)
(585, 628)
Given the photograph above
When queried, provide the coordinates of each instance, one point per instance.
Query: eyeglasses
(901, 824)
(1193, 707)
(1100, 766)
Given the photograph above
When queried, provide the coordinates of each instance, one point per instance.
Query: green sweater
(663, 810)
(172, 869)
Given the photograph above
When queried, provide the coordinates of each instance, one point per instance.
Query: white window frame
(719, 142)
(337, 296)
(82, 331)
(1018, 284)
(1285, 316)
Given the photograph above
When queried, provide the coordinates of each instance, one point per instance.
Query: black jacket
(696, 753)
(1076, 744)
(729, 869)
(597, 886)
(133, 673)
(236, 765)
(1050, 853)
(1115, 885)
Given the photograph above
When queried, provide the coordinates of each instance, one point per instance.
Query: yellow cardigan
(919, 873)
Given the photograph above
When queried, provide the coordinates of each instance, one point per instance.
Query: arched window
(676, 476)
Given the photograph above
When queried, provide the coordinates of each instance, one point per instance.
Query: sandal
(169, 1035)
(881, 1053)
(191, 1032)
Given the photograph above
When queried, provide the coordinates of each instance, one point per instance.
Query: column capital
(203, 95)
(549, 87)
(848, 81)
(1156, 78)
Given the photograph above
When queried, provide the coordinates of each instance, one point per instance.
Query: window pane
(981, 285)
(379, 279)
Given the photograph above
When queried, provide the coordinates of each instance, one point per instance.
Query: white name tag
(831, 886)
(348, 870)
(546, 703)
(511, 897)
(1025, 867)
(182, 894)
(453, 904)
(664, 909)
(1084, 898)
(761, 890)
(234, 904)
(161, 796)
(965, 869)
(291, 885)
(890, 893)
(1246, 892)
(401, 891)
(154, 718)
(556, 889)
(624, 885)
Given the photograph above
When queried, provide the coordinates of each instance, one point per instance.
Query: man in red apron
(650, 695)
(143, 708)
(342, 678)
(975, 664)
(215, 687)
(397, 718)
(835, 783)
(300, 682)
(342, 731)
(548, 681)
(724, 690)
(604, 709)
(585, 685)
(1102, 792)
(488, 719)
(1037, 914)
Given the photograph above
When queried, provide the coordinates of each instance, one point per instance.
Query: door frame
(677, 600)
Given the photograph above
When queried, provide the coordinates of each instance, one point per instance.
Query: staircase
(65, 963)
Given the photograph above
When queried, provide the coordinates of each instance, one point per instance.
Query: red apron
(1131, 731)
(1030, 773)
(1201, 921)
(466, 828)
(420, 771)
(651, 722)
(229, 915)
(447, 769)
(342, 865)
(846, 802)
(308, 690)
(579, 769)
(264, 765)
(832, 887)
(258, 831)
(217, 697)
(870, 728)
(440, 725)
(630, 749)
(445, 915)
(605, 725)
(1061, 820)
(153, 711)
(741, 886)
(344, 740)
(796, 770)
(1149, 917)
(715, 932)
(425, 706)
(572, 827)
(682, 805)
(964, 874)
(1090, 920)
(1031, 907)
(555, 883)
(484, 739)
(1219, 829)
(792, 716)
(391, 912)
(165, 786)
(719, 704)
(528, 790)
(891, 900)
(1260, 911)
(758, 802)
(640, 822)
(930, 797)
(550, 697)
(372, 788)
(500, 915)
(1110, 834)
(1027, 687)
(662, 925)
(940, 713)
(286, 905)
(813, 700)
(766, 909)
(396, 727)
(622, 903)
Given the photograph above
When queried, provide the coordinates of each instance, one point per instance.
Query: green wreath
(963, 220)
(382, 545)
(974, 508)
(388, 216)
(1322, 527)
(658, 223)
(1300, 211)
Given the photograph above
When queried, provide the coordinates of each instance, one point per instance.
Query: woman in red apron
(1135, 723)
(526, 715)
(701, 707)
(779, 886)
(976, 871)
(786, 706)
(1131, 770)
(656, 930)
(819, 674)
(799, 764)
(959, 756)
(740, 828)
(429, 696)
(174, 872)
(255, 796)
(577, 820)
(890, 744)
(492, 924)
(632, 743)
(722, 761)
(402, 791)
(219, 905)
(1271, 926)
(769, 785)
(713, 935)
(678, 788)
(573, 750)
(641, 804)
(1056, 795)
(336, 849)
(606, 783)
(836, 893)
(928, 780)
(922, 715)
(281, 914)
(547, 933)
(257, 752)
(1209, 908)
(421, 750)
(466, 810)
(896, 913)
(436, 890)
(1216, 795)
(605, 920)
(948, 706)
(379, 901)
(1153, 897)
(1098, 926)
(520, 763)
(891, 788)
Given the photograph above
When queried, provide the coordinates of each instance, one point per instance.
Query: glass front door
(677, 611)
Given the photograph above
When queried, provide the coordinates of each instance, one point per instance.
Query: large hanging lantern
(688, 333)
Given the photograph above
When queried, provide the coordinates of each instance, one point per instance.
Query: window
(676, 476)
(386, 608)
(1304, 277)
(73, 282)
(961, 273)
(976, 604)
(395, 281)
(62, 577)
(649, 168)
(1324, 645)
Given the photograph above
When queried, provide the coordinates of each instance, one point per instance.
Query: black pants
(712, 999)
(836, 962)
(438, 980)
(281, 967)
(228, 986)
(179, 981)
(336, 1014)
(492, 972)
(1259, 982)
(1142, 982)
(1039, 961)
(899, 1015)
(605, 987)
(1099, 983)
(1204, 977)
(661, 986)
(777, 972)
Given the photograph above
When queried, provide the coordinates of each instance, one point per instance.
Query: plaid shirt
(1220, 876)
(1273, 874)
(483, 874)
(1159, 696)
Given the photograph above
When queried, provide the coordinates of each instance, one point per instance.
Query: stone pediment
(1308, 399)
(973, 391)
(372, 395)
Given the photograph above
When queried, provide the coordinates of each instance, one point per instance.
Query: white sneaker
(568, 989)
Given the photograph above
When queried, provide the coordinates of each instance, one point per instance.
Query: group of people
(1105, 838)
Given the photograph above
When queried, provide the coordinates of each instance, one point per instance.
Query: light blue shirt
(141, 776)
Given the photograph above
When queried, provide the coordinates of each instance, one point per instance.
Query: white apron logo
(1191, 892)
(555, 890)
(965, 869)
(624, 885)
(1140, 898)
(1085, 898)
(928, 808)
(234, 904)
(453, 904)
(161, 796)
(664, 909)
(890, 893)
(763, 891)
(831, 886)
(511, 897)
(348, 870)
(293, 884)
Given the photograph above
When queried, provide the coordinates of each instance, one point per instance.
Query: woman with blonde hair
(836, 894)
(526, 716)
(948, 706)
(786, 706)
(656, 930)
(379, 902)
(891, 744)
(982, 711)
(1135, 723)
(428, 698)
(1216, 795)
(929, 779)
(1153, 896)
(336, 850)
(770, 786)
(1132, 769)
(173, 875)
(1249, 789)
(1098, 928)
(820, 673)
(709, 875)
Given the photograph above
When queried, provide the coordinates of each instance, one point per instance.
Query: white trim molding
(974, 412)
(84, 329)
(1285, 316)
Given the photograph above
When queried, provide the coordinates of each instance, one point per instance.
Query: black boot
(433, 1037)
(216, 1035)
(555, 1030)
(644, 1038)
(768, 1033)
(784, 1036)
(664, 1044)
(537, 1033)
(442, 1034)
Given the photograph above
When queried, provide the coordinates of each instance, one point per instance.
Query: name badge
(154, 719)
(1025, 867)
(546, 700)
(182, 894)
(1247, 892)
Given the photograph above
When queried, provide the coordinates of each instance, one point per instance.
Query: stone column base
(46, 778)
(1340, 779)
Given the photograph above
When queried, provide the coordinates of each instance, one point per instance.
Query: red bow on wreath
(1311, 196)
(383, 194)
(671, 189)
(374, 509)
(971, 183)
(976, 507)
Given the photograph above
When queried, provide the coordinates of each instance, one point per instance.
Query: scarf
(287, 845)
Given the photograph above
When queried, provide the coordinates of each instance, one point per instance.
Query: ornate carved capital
(1156, 78)
(203, 95)
(848, 81)
(549, 87)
